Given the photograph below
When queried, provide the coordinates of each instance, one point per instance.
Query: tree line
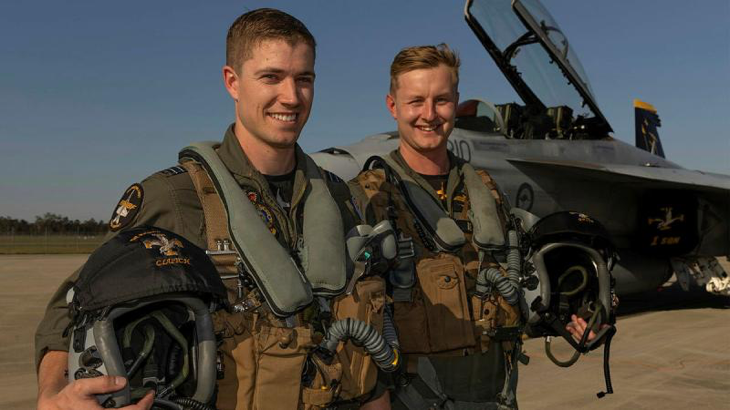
(51, 223)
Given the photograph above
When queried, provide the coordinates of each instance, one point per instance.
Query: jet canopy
(535, 56)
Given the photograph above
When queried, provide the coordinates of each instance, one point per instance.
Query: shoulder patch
(173, 171)
(127, 207)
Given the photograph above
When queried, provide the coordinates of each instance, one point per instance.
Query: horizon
(97, 96)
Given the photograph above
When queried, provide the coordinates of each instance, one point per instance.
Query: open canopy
(535, 56)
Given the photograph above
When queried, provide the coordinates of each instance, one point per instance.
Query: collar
(455, 176)
(236, 161)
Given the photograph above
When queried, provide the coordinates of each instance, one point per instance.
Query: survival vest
(266, 344)
(437, 308)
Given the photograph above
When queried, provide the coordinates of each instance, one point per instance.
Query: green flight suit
(441, 318)
(169, 200)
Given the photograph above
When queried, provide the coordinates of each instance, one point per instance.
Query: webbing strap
(216, 228)
(430, 378)
(277, 276)
(413, 400)
(425, 208)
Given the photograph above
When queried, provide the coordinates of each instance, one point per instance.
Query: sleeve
(165, 203)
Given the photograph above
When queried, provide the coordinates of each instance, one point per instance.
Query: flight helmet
(141, 309)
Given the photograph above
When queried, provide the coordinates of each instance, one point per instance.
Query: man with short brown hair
(250, 29)
(267, 361)
(460, 343)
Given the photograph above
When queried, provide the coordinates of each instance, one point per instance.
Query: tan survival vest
(440, 314)
(261, 357)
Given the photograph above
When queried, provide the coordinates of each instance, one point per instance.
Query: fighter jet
(555, 153)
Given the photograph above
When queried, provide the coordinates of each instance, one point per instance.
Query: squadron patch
(127, 208)
(169, 250)
(267, 218)
(265, 213)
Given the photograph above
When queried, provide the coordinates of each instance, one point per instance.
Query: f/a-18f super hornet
(555, 152)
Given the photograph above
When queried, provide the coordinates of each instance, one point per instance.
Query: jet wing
(632, 174)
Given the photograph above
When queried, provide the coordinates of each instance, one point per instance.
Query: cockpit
(524, 122)
(535, 57)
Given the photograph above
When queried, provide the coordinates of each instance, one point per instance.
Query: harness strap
(430, 378)
(424, 207)
(412, 398)
(402, 275)
(216, 229)
(277, 276)
(507, 398)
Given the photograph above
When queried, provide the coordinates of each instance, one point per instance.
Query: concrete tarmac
(671, 352)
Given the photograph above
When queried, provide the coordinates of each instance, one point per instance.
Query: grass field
(50, 244)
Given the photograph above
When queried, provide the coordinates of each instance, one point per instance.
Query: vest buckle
(223, 247)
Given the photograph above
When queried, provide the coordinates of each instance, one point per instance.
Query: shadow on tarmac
(668, 298)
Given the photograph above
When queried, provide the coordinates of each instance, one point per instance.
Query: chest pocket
(263, 365)
(367, 304)
(438, 319)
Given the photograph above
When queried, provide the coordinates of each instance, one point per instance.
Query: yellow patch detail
(172, 261)
(442, 192)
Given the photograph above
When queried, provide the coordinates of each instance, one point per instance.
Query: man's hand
(577, 327)
(55, 393)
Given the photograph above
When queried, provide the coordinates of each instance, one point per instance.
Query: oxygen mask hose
(383, 348)
(514, 258)
(180, 339)
(493, 276)
(508, 286)
(149, 341)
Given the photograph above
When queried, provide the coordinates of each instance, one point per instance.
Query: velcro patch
(127, 208)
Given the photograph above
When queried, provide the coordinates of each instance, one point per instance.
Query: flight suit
(468, 339)
(262, 358)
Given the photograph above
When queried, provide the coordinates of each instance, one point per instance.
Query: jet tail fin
(647, 122)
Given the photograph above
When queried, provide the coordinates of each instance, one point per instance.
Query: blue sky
(97, 95)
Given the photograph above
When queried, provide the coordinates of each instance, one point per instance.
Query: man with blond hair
(267, 361)
(460, 343)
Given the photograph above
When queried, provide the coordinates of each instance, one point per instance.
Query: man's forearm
(52, 373)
